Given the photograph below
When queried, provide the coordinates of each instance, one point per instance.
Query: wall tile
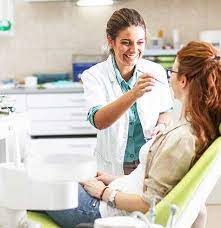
(30, 61)
(59, 60)
(48, 33)
(30, 35)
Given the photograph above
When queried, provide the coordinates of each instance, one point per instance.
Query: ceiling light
(94, 2)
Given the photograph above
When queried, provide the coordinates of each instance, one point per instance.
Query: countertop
(160, 52)
(75, 89)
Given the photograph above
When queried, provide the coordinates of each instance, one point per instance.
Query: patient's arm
(127, 202)
(124, 201)
(94, 187)
(105, 178)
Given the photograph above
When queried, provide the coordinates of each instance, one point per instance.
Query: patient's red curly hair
(200, 63)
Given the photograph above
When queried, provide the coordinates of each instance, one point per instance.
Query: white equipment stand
(47, 182)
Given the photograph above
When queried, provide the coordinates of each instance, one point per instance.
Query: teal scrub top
(135, 138)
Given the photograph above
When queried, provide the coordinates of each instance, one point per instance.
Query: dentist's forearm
(110, 113)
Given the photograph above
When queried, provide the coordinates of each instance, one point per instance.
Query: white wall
(47, 34)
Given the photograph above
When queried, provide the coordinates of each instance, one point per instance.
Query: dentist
(127, 97)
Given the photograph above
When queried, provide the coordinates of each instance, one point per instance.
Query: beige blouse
(169, 159)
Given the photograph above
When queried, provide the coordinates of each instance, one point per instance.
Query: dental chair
(188, 195)
(42, 219)
(193, 190)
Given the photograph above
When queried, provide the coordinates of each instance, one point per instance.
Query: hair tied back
(217, 57)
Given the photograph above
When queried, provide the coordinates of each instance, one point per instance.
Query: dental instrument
(173, 211)
(164, 83)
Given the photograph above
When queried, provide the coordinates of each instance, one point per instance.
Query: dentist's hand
(94, 187)
(105, 178)
(144, 84)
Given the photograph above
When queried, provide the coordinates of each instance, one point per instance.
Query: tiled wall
(48, 33)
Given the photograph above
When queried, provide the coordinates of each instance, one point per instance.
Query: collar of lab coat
(112, 77)
(112, 74)
(111, 70)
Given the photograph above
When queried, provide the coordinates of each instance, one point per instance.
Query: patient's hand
(94, 187)
(159, 129)
(105, 178)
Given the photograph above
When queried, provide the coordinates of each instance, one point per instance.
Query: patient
(196, 82)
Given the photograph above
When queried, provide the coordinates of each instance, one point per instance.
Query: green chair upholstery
(42, 219)
(187, 188)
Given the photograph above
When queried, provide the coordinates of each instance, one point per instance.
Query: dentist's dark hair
(121, 19)
(200, 63)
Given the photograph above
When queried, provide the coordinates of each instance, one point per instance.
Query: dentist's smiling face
(128, 46)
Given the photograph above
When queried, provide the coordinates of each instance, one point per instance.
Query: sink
(61, 167)
(20, 192)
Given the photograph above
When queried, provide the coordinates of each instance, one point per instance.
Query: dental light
(94, 2)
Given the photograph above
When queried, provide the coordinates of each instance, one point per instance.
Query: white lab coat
(101, 88)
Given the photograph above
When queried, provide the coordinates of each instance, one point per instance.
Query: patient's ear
(183, 81)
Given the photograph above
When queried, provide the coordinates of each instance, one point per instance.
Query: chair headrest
(220, 128)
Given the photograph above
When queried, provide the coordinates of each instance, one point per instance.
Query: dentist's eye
(127, 43)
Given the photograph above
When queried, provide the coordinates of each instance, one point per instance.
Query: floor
(214, 216)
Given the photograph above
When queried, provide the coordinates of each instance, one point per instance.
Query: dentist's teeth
(132, 56)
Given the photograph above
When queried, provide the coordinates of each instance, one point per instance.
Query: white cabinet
(59, 145)
(58, 114)
(57, 122)
(49, 128)
(18, 101)
(55, 100)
